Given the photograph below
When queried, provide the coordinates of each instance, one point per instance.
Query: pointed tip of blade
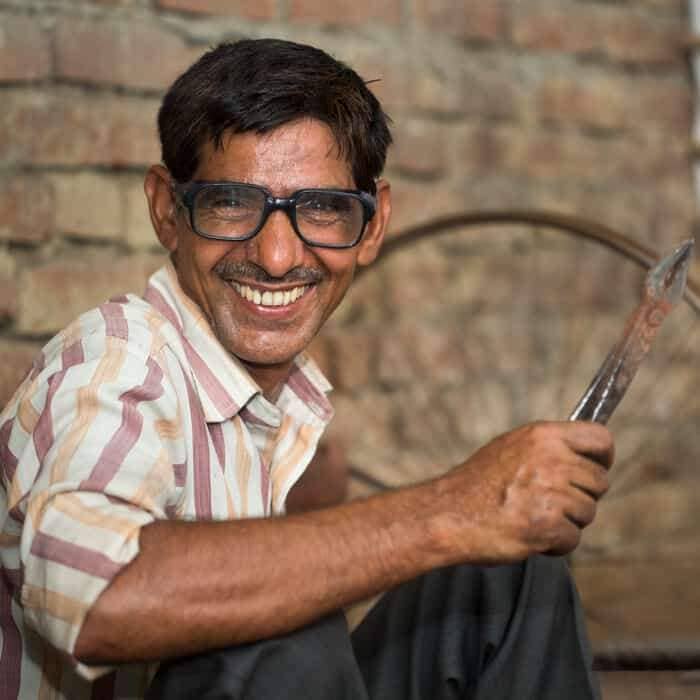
(668, 277)
(684, 250)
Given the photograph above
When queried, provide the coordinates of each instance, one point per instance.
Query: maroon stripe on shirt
(115, 322)
(13, 580)
(74, 556)
(200, 449)
(119, 299)
(180, 472)
(157, 300)
(217, 437)
(220, 397)
(43, 436)
(11, 652)
(127, 434)
(300, 384)
(250, 418)
(8, 462)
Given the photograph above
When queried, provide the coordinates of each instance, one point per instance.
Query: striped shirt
(134, 412)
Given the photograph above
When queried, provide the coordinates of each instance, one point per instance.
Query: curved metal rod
(606, 659)
(642, 255)
(638, 253)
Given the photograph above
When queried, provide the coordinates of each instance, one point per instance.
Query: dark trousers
(475, 633)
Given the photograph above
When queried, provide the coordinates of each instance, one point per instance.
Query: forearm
(196, 586)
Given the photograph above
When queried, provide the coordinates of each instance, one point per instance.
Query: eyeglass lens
(235, 211)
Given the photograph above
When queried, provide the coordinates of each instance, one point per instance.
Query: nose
(277, 248)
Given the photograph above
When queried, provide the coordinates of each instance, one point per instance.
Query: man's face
(229, 280)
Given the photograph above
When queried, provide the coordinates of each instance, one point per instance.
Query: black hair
(260, 84)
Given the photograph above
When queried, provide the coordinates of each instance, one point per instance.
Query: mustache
(250, 271)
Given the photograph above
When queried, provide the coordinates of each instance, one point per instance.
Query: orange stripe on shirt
(55, 604)
(74, 508)
(87, 410)
(285, 466)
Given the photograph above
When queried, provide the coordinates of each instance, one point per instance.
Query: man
(153, 439)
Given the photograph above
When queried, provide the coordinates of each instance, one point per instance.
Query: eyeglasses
(234, 211)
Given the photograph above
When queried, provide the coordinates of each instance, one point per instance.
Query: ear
(162, 205)
(376, 227)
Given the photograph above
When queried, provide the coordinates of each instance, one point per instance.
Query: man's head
(261, 140)
(259, 85)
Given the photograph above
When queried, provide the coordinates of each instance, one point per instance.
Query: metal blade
(663, 289)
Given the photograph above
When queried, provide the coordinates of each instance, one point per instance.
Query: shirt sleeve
(101, 458)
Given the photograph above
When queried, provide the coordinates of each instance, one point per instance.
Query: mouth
(266, 297)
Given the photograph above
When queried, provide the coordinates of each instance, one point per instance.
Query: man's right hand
(532, 490)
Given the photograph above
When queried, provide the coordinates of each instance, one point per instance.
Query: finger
(579, 510)
(591, 440)
(567, 539)
(589, 477)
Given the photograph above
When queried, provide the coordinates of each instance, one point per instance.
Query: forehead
(296, 155)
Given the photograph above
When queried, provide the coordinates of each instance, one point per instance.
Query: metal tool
(663, 288)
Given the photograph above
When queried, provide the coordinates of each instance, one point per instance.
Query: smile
(267, 298)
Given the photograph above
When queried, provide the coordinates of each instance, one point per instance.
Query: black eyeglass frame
(186, 194)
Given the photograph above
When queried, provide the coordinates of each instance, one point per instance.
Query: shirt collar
(223, 384)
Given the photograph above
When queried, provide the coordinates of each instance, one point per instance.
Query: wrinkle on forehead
(300, 154)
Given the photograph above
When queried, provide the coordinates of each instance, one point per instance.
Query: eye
(325, 207)
(229, 202)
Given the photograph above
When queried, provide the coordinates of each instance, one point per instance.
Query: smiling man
(152, 459)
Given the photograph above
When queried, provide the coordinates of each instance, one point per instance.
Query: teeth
(268, 298)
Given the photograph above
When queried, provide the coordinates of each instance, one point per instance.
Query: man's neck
(270, 378)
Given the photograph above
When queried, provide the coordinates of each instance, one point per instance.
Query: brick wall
(575, 106)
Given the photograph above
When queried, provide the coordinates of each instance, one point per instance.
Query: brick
(473, 20)
(354, 357)
(493, 90)
(368, 421)
(613, 32)
(260, 10)
(396, 364)
(437, 90)
(416, 203)
(360, 303)
(24, 49)
(478, 412)
(339, 12)
(8, 287)
(644, 40)
(489, 149)
(544, 27)
(419, 148)
(666, 105)
(88, 205)
(52, 294)
(601, 103)
(391, 77)
(605, 103)
(623, 528)
(553, 155)
(138, 55)
(26, 208)
(424, 426)
(138, 230)
(321, 352)
(402, 293)
(70, 127)
(17, 357)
